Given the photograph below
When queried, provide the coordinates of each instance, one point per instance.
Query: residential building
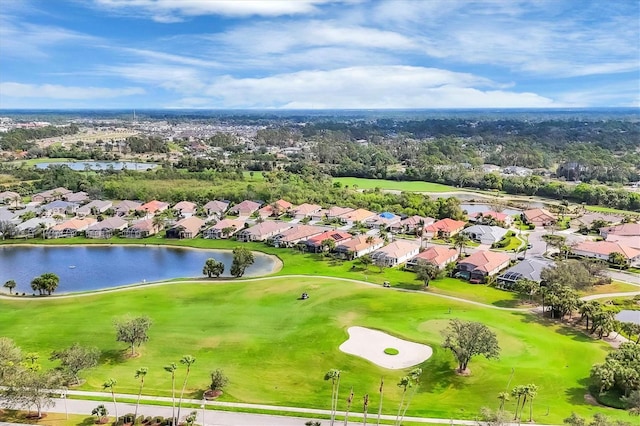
(587, 220)
(444, 228)
(411, 225)
(245, 209)
(484, 234)
(97, 206)
(186, 228)
(481, 217)
(224, 228)
(140, 229)
(126, 207)
(216, 208)
(539, 217)
(185, 209)
(383, 220)
(305, 210)
(330, 213)
(529, 269)
(60, 207)
(32, 227)
(626, 240)
(69, 228)
(10, 197)
(263, 231)
(480, 265)
(359, 245)
(153, 207)
(602, 249)
(107, 228)
(290, 237)
(395, 253)
(440, 256)
(76, 197)
(50, 195)
(358, 215)
(315, 243)
(623, 230)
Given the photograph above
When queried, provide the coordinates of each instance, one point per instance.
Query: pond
(481, 208)
(628, 316)
(100, 165)
(83, 268)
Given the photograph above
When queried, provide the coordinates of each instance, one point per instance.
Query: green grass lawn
(276, 349)
(397, 185)
(610, 210)
(257, 176)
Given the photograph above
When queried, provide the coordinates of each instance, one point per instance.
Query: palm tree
(171, 368)
(349, 401)
(140, 373)
(109, 384)
(158, 223)
(503, 397)
(365, 409)
(404, 383)
(187, 360)
(460, 241)
(334, 376)
(11, 284)
(532, 391)
(518, 391)
(414, 375)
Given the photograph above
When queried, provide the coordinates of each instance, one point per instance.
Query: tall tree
(468, 339)
(460, 241)
(133, 331)
(242, 258)
(110, 384)
(172, 368)
(140, 374)
(426, 271)
(47, 282)
(31, 388)
(11, 284)
(334, 376)
(213, 268)
(414, 375)
(404, 383)
(75, 359)
(188, 361)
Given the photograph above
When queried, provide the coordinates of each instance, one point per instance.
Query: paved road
(214, 417)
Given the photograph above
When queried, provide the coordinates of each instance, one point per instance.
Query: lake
(628, 316)
(481, 208)
(83, 268)
(100, 165)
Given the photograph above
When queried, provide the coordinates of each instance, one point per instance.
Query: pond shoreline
(276, 266)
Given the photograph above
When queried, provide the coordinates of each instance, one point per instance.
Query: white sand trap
(370, 345)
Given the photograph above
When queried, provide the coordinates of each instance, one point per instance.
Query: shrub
(391, 351)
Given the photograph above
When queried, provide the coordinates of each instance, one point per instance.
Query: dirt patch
(465, 373)
(591, 400)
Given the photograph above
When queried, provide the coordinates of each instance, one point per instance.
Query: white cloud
(169, 57)
(167, 11)
(53, 91)
(368, 87)
(177, 78)
(27, 40)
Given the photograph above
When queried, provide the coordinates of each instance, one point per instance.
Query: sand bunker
(370, 345)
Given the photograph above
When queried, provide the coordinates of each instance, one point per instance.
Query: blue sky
(319, 54)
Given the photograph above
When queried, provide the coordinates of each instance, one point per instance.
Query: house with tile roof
(359, 246)
(623, 230)
(382, 220)
(602, 249)
(481, 265)
(263, 231)
(152, 208)
(314, 244)
(411, 225)
(444, 228)
(437, 255)
(538, 217)
(32, 227)
(529, 269)
(107, 228)
(69, 228)
(185, 209)
(224, 228)
(141, 229)
(126, 207)
(97, 206)
(298, 233)
(245, 208)
(186, 228)
(358, 215)
(395, 253)
(480, 217)
(216, 208)
(305, 210)
(50, 195)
